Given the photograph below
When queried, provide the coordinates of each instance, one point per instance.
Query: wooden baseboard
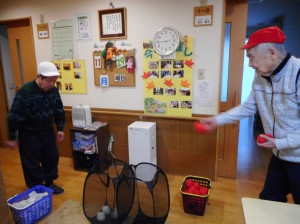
(180, 149)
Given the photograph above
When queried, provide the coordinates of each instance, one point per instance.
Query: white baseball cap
(47, 69)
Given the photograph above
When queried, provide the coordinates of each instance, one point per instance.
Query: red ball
(196, 185)
(192, 190)
(203, 191)
(188, 183)
(197, 192)
(200, 127)
(260, 139)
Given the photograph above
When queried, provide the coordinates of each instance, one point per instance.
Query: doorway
(235, 31)
(17, 61)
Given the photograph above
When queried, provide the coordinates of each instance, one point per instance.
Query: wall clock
(166, 41)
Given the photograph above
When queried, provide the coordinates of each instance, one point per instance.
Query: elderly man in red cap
(276, 95)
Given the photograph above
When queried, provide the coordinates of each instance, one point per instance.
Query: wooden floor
(224, 201)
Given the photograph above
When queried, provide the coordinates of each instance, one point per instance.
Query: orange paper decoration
(185, 83)
(189, 63)
(168, 82)
(150, 85)
(146, 75)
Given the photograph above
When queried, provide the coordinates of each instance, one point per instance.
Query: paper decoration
(185, 83)
(146, 75)
(104, 81)
(72, 79)
(168, 82)
(150, 85)
(120, 60)
(97, 60)
(189, 62)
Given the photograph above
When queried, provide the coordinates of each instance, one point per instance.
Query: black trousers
(39, 156)
(282, 178)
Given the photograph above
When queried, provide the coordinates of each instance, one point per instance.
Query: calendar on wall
(62, 39)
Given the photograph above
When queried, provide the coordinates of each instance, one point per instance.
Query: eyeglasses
(50, 80)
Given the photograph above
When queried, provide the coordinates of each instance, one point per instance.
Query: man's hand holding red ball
(205, 125)
(200, 127)
(266, 141)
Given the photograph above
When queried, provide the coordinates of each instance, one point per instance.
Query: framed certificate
(112, 23)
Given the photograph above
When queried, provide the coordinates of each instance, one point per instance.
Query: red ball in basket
(261, 139)
(200, 127)
(189, 183)
(193, 187)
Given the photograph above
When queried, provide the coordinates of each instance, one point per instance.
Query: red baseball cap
(270, 34)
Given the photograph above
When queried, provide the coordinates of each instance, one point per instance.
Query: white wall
(143, 19)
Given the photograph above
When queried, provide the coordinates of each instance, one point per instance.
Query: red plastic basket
(34, 212)
(193, 203)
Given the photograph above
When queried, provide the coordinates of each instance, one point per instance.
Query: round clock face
(166, 41)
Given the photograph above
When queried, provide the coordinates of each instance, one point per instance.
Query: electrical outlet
(201, 75)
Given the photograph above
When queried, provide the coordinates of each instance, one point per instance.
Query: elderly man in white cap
(36, 106)
(276, 95)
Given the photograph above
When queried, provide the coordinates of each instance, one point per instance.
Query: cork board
(117, 76)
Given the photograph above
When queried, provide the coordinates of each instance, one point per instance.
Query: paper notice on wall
(203, 93)
(62, 39)
(83, 27)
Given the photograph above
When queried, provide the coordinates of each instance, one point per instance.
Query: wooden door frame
(3, 95)
(3, 106)
(228, 135)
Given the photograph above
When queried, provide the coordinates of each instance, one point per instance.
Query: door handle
(235, 102)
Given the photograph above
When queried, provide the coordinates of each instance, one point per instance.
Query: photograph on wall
(154, 106)
(168, 82)
(72, 79)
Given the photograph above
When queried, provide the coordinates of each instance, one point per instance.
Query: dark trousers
(39, 156)
(282, 178)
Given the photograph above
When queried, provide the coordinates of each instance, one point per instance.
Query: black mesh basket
(108, 196)
(152, 202)
(126, 194)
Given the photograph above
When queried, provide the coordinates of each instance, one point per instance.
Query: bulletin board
(118, 72)
(72, 79)
(168, 83)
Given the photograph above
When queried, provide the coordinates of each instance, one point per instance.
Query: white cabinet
(142, 142)
(142, 146)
